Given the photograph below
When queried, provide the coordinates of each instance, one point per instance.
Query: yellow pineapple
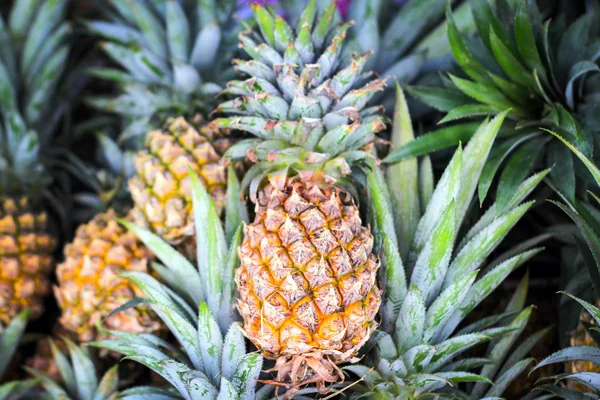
(307, 279)
(161, 190)
(89, 288)
(26, 258)
(307, 275)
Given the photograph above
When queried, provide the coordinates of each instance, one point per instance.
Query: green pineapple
(35, 92)
(432, 284)
(545, 72)
(197, 306)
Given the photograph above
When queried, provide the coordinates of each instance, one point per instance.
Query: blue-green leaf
(211, 343)
(171, 258)
(234, 349)
(433, 141)
(211, 244)
(516, 169)
(432, 264)
(392, 267)
(178, 31)
(586, 161)
(246, 375)
(409, 326)
(402, 178)
(236, 211)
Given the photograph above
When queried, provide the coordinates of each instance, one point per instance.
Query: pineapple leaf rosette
(78, 377)
(434, 277)
(545, 72)
(174, 58)
(307, 272)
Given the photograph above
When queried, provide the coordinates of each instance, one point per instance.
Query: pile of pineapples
(253, 223)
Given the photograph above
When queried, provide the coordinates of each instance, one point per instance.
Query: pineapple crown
(538, 70)
(546, 73)
(33, 57)
(175, 57)
(402, 37)
(430, 287)
(78, 375)
(196, 304)
(303, 102)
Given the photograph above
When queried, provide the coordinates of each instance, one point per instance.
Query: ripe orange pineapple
(26, 258)
(161, 190)
(307, 279)
(88, 284)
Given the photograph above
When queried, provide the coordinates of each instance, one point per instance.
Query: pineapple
(86, 290)
(307, 280)
(35, 49)
(89, 287)
(186, 47)
(197, 306)
(26, 256)
(78, 377)
(161, 189)
(431, 285)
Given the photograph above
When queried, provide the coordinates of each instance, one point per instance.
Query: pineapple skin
(26, 258)
(161, 190)
(89, 287)
(307, 279)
